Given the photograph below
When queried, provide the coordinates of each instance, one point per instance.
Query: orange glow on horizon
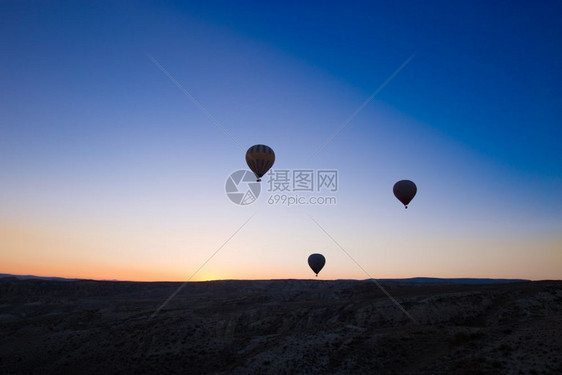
(57, 251)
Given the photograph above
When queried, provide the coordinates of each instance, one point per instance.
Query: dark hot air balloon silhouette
(260, 159)
(316, 262)
(405, 190)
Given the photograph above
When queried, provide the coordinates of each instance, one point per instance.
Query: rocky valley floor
(279, 327)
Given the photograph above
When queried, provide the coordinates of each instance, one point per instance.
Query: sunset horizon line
(55, 278)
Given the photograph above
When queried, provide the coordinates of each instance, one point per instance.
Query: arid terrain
(279, 327)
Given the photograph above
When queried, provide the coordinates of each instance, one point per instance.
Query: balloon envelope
(260, 159)
(316, 262)
(405, 190)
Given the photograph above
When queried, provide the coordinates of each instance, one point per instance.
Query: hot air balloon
(405, 190)
(260, 159)
(316, 262)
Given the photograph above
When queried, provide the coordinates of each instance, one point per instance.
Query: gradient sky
(109, 171)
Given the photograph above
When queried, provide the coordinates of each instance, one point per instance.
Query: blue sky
(108, 164)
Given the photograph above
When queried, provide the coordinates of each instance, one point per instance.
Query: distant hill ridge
(32, 277)
(413, 280)
(471, 281)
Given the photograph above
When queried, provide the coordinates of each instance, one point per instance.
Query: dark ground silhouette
(279, 327)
